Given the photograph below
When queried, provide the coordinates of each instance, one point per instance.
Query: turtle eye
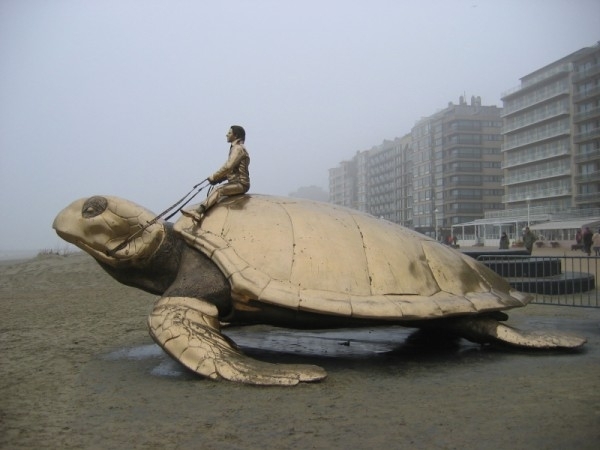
(94, 206)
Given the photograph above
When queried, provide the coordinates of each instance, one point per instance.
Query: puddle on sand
(273, 344)
(166, 367)
(137, 353)
(323, 343)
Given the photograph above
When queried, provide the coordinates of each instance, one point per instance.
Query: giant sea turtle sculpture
(292, 263)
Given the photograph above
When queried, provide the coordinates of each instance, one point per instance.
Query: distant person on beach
(586, 239)
(596, 242)
(504, 241)
(528, 239)
(234, 171)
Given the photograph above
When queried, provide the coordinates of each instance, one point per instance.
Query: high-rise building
(552, 136)
(446, 171)
(377, 181)
(535, 159)
(342, 184)
(388, 184)
(456, 159)
(586, 125)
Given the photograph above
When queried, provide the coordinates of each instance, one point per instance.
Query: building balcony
(591, 177)
(557, 71)
(535, 176)
(534, 100)
(466, 183)
(461, 128)
(462, 170)
(589, 197)
(537, 195)
(588, 135)
(465, 197)
(587, 73)
(535, 156)
(533, 138)
(535, 119)
(580, 117)
(589, 156)
(579, 96)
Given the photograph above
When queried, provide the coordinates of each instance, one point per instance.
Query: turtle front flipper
(482, 329)
(188, 330)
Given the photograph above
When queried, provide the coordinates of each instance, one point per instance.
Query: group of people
(528, 240)
(587, 240)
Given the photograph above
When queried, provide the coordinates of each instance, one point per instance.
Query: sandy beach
(78, 370)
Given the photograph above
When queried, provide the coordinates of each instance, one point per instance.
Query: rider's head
(238, 132)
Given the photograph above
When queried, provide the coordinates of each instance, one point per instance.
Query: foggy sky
(134, 98)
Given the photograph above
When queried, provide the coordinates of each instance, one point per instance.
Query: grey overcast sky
(134, 97)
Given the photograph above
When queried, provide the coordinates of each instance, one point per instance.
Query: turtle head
(109, 229)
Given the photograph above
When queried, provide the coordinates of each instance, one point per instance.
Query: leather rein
(198, 188)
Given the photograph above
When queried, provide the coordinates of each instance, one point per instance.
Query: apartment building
(586, 127)
(446, 171)
(385, 181)
(535, 159)
(377, 181)
(551, 134)
(457, 173)
(343, 185)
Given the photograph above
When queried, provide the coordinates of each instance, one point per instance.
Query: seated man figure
(235, 171)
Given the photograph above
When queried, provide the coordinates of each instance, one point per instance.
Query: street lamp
(435, 211)
(528, 202)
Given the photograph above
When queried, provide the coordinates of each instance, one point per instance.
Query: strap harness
(198, 188)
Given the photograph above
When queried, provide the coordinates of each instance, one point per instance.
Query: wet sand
(78, 370)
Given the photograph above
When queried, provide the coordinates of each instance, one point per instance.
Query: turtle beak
(65, 222)
(104, 227)
(72, 227)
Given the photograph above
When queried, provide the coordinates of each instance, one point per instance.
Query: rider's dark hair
(238, 132)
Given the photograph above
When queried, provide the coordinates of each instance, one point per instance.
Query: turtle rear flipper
(487, 330)
(188, 330)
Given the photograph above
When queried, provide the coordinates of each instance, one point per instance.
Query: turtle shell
(327, 259)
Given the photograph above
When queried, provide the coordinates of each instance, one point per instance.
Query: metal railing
(552, 280)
